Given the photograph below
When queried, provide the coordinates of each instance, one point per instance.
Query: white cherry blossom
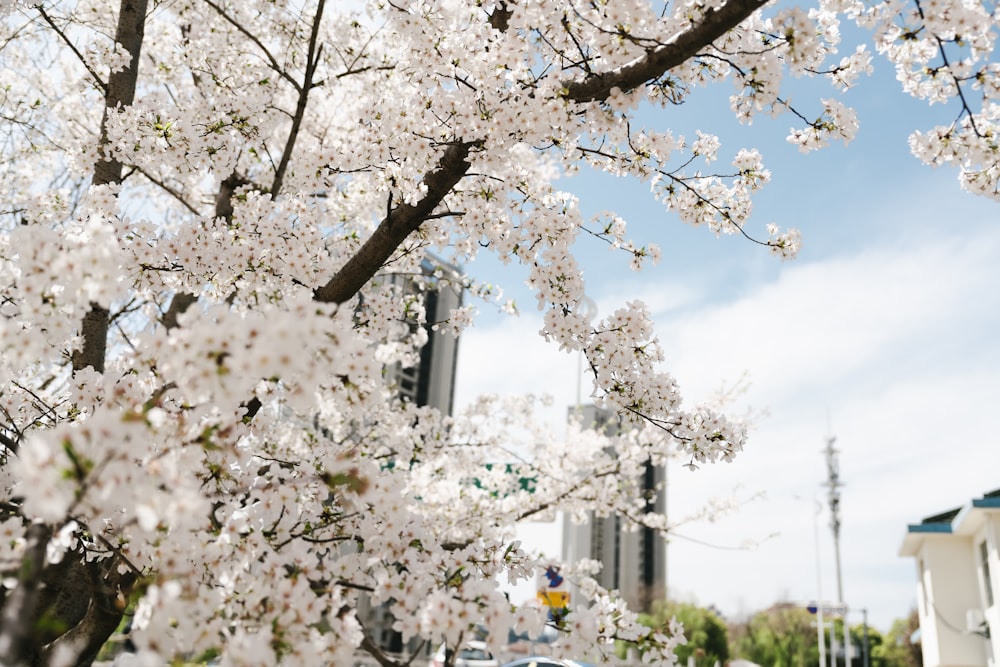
(220, 222)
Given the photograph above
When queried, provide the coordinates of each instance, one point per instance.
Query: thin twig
(253, 38)
(312, 58)
(166, 188)
(52, 24)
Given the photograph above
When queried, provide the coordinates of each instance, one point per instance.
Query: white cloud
(821, 322)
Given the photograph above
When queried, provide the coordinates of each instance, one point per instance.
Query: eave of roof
(950, 522)
(929, 528)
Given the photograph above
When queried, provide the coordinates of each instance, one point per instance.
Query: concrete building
(958, 589)
(432, 380)
(634, 562)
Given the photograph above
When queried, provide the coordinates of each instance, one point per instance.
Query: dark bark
(49, 608)
(105, 597)
(120, 92)
(500, 18)
(121, 84)
(179, 304)
(21, 604)
(376, 652)
(94, 331)
(393, 230)
(658, 61)
(312, 59)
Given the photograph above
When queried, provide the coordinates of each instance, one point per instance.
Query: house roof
(958, 521)
(942, 519)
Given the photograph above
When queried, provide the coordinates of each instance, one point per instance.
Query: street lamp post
(820, 635)
(820, 608)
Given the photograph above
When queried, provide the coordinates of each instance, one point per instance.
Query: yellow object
(554, 599)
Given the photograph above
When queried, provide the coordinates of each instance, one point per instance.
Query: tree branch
(94, 331)
(102, 617)
(300, 107)
(121, 84)
(253, 38)
(10, 444)
(103, 614)
(179, 304)
(500, 18)
(18, 613)
(166, 188)
(120, 92)
(396, 226)
(374, 651)
(62, 35)
(657, 61)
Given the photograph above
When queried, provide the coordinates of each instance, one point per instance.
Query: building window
(597, 540)
(984, 567)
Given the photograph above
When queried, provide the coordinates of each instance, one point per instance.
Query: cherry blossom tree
(210, 211)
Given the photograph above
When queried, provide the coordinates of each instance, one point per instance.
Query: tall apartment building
(958, 583)
(432, 380)
(633, 562)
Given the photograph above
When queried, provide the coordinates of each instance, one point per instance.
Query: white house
(958, 583)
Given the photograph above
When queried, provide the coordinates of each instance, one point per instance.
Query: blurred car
(541, 662)
(473, 654)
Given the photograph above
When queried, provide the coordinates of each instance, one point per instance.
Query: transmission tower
(833, 496)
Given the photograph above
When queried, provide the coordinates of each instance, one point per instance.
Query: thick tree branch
(374, 651)
(395, 227)
(121, 84)
(658, 61)
(500, 18)
(120, 92)
(22, 602)
(94, 331)
(179, 304)
(103, 614)
(88, 633)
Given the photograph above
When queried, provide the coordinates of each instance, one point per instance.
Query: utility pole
(820, 623)
(833, 485)
(864, 647)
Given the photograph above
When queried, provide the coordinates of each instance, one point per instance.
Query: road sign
(829, 609)
(552, 587)
(554, 599)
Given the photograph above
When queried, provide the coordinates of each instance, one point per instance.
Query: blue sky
(883, 332)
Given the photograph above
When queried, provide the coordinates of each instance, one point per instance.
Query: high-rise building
(633, 561)
(431, 381)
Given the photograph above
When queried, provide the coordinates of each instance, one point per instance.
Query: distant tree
(706, 633)
(785, 636)
(857, 641)
(782, 636)
(897, 650)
